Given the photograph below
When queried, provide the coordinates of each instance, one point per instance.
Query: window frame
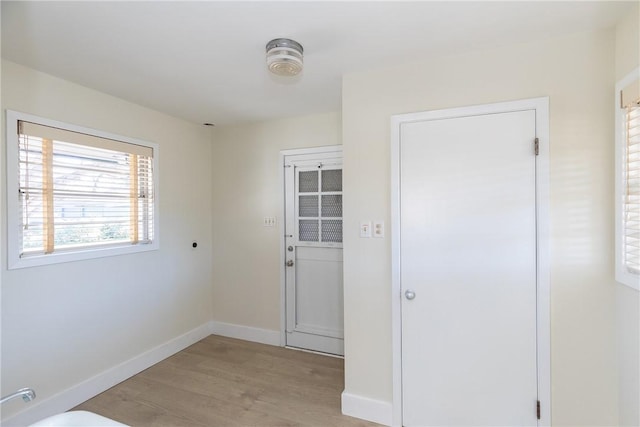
(622, 274)
(14, 220)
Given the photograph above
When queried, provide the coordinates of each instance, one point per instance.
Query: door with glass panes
(313, 252)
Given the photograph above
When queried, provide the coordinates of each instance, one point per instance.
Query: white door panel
(319, 285)
(468, 252)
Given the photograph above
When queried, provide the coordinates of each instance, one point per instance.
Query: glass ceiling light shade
(284, 57)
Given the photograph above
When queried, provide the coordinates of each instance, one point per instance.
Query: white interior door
(468, 271)
(313, 254)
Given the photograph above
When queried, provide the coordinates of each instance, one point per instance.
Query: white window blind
(79, 191)
(631, 196)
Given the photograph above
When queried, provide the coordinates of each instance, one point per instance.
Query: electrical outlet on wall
(378, 228)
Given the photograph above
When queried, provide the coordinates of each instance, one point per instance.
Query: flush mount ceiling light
(284, 57)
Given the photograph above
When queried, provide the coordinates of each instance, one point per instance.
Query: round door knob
(290, 263)
(409, 295)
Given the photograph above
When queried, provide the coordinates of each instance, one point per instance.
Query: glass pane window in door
(308, 206)
(308, 182)
(308, 230)
(332, 180)
(332, 231)
(332, 205)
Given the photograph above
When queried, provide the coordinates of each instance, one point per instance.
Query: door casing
(319, 153)
(541, 108)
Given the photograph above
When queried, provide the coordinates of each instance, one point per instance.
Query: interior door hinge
(537, 146)
(538, 409)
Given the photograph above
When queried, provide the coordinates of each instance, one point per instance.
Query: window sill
(628, 279)
(89, 253)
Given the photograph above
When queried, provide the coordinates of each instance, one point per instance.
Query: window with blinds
(628, 181)
(631, 197)
(80, 193)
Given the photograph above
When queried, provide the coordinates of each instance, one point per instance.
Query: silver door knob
(409, 295)
(290, 263)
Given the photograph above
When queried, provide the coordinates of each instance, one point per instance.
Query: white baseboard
(247, 333)
(91, 387)
(368, 409)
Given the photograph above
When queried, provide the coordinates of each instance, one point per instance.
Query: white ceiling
(204, 61)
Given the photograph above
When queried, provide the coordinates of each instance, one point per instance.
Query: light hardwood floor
(226, 382)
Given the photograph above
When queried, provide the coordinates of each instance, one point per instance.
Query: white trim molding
(377, 411)
(541, 108)
(93, 386)
(247, 333)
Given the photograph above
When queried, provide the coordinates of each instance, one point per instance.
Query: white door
(468, 270)
(313, 253)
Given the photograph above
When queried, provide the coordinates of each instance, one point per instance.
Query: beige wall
(628, 43)
(628, 300)
(65, 323)
(247, 187)
(577, 73)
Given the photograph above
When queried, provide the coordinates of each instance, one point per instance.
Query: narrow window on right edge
(628, 180)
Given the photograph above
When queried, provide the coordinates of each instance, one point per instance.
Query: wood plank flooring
(227, 382)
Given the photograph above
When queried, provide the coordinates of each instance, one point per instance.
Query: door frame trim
(285, 155)
(543, 314)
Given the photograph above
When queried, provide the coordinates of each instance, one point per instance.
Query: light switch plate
(269, 221)
(365, 229)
